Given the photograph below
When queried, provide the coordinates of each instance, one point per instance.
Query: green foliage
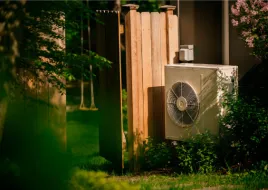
(9, 174)
(124, 109)
(198, 154)
(83, 180)
(244, 131)
(8, 167)
(261, 166)
(38, 47)
(241, 144)
(149, 5)
(156, 155)
(250, 20)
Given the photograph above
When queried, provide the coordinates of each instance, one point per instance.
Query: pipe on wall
(225, 32)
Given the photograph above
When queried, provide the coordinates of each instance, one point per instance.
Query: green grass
(82, 132)
(83, 140)
(199, 181)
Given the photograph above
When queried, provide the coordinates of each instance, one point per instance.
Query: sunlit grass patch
(199, 181)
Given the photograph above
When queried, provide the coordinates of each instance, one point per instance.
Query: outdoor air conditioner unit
(193, 93)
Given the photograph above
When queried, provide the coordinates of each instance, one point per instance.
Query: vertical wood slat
(129, 88)
(164, 61)
(131, 84)
(134, 84)
(173, 39)
(146, 71)
(139, 130)
(156, 74)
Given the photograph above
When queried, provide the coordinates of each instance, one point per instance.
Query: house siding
(201, 25)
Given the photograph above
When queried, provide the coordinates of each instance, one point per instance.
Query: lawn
(83, 137)
(198, 181)
(82, 131)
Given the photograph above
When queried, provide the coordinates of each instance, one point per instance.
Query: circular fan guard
(182, 104)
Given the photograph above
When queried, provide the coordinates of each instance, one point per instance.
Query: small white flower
(174, 143)
(228, 126)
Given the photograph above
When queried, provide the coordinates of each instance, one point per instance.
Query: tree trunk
(117, 5)
(92, 106)
(82, 103)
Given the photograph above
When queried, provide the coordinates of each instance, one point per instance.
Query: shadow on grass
(83, 141)
(33, 160)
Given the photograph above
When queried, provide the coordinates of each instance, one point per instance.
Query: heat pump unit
(193, 94)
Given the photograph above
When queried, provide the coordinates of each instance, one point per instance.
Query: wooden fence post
(134, 84)
(172, 34)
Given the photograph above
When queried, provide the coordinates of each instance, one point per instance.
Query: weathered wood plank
(139, 79)
(139, 129)
(164, 61)
(133, 85)
(156, 75)
(173, 42)
(146, 71)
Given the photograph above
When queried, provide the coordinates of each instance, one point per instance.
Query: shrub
(244, 131)
(198, 154)
(250, 20)
(261, 166)
(124, 109)
(10, 176)
(156, 155)
(84, 180)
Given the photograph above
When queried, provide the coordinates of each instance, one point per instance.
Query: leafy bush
(198, 154)
(84, 180)
(261, 166)
(244, 131)
(250, 20)
(242, 142)
(156, 155)
(9, 174)
(124, 109)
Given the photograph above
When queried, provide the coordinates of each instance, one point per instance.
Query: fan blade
(171, 97)
(174, 113)
(189, 115)
(193, 111)
(192, 99)
(177, 89)
(186, 90)
(187, 120)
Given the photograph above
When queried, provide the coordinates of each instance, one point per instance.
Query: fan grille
(182, 104)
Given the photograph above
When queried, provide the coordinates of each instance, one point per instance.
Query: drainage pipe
(225, 32)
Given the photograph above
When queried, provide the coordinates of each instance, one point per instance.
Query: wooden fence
(110, 89)
(151, 43)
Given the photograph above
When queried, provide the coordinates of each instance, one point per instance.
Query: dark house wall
(201, 25)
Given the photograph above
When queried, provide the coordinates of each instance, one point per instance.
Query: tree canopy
(37, 25)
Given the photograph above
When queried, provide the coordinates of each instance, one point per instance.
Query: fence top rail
(107, 11)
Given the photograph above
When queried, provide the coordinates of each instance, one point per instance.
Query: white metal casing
(204, 79)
